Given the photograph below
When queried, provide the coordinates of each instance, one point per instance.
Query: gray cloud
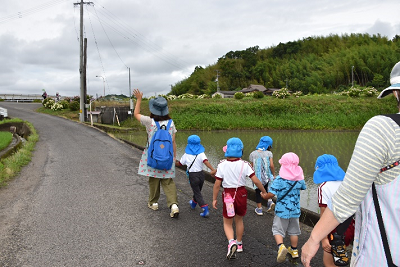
(161, 41)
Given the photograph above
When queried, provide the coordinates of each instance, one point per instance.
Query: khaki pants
(169, 189)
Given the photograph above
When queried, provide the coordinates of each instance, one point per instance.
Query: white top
(197, 166)
(326, 191)
(229, 170)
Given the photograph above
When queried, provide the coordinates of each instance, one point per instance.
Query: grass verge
(11, 165)
(5, 139)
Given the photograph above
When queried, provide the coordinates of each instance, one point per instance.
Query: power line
(128, 33)
(98, 51)
(30, 11)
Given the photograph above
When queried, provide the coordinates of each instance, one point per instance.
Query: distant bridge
(22, 97)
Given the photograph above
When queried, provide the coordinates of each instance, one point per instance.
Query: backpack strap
(395, 117)
(287, 192)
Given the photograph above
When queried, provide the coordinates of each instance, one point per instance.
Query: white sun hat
(394, 81)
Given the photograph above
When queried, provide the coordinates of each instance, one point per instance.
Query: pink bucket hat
(290, 169)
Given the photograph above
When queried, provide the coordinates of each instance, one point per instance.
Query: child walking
(194, 158)
(159, 113)
(231, 173)
(330, 176)
(261, 160)
(286, 187)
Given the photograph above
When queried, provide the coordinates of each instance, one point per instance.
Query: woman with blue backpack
(160, 152)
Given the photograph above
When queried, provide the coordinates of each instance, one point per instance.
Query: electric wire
(128, 33)
(30, 11)
(98, 51)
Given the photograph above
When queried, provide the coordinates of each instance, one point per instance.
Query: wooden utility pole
(82, 110)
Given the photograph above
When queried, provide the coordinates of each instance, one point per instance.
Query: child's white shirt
(228, 171)
(325, 192)
(197, 166)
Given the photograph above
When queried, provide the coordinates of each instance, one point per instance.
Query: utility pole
(81, 64)
(130, 94)
(217, 80)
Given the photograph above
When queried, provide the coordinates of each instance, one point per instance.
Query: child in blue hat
(261, 160)
(194, 158)
(330, 176)
(231, 174)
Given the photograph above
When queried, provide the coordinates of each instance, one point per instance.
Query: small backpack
(161, 152)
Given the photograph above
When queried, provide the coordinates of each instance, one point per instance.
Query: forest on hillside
(311, 65)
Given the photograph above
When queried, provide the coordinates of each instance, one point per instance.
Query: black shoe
(339, 252)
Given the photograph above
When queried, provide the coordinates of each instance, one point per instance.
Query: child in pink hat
(286, 187)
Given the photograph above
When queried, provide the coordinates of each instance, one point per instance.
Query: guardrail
(22, 97)
(3, 113)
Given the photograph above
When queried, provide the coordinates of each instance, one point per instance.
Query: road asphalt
(80, 202)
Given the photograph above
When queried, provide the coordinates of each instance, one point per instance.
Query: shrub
(282, 93)
(64, 103)
(297, 94)
(74, 106)
(239, 95)
(217, 96)
(370, 92)
(258, 94)
(57, 106)
(48, 102)
(203, 96)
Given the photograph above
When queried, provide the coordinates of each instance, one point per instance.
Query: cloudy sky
(161, 41)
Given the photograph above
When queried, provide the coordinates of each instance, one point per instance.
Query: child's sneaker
(293, 252)
(271, 206)
(338, 248)
(153, 206)
(174, 211)
(231, 250)
(239, 247)
(281, 253)
(259, 211)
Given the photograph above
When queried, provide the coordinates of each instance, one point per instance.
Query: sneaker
(271, 206)
(231, 250)
(174, 211)
(281, 254)
(259, 211)
(293, 252)
(153, 206)
(239, 248)
(339, 252)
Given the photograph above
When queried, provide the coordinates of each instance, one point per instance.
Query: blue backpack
(161, 152)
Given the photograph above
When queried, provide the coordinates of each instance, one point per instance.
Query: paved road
(81, 203)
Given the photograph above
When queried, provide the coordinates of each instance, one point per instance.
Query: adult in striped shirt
(377, 146)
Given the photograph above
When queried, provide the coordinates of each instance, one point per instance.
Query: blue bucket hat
(194, 147)
(234, 148)
(158, 106)
(265, 143)
(327, 169)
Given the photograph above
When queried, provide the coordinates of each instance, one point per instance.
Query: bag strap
(382, 227)
(379, 213)
(240, 176)
(192, 162)
(287, 192)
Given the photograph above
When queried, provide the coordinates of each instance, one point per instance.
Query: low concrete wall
(21, 128)
(307, 217)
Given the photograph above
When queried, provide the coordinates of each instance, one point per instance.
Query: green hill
(311, 65)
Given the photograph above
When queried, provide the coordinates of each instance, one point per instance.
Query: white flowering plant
(282, 93)
(57, 106)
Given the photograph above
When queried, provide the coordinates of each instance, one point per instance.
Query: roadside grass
(5, 139)
(311, 112)
(12, 165)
